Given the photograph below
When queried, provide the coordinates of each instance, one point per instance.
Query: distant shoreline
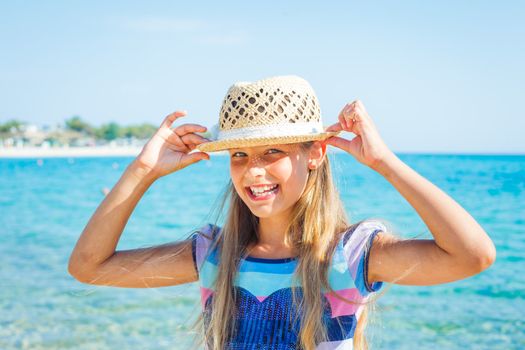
(52, 152)
(133, 151)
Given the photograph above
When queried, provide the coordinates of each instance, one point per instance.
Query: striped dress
(264, 298)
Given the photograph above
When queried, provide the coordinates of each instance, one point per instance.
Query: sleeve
(357, 244)
(200, 244)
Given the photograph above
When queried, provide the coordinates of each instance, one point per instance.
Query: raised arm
(95, 260)
(460, 247)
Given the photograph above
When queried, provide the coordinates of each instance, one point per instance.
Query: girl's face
(270, 179)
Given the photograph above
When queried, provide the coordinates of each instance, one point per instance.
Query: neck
(272, 232)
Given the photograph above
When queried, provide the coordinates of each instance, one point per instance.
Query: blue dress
(266, 317)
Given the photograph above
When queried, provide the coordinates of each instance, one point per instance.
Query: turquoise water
(44, 205)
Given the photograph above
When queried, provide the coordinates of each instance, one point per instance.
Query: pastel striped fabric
(266, 317)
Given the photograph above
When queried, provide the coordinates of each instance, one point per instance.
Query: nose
(256, 167)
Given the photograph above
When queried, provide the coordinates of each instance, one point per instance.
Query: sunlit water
(45, 205)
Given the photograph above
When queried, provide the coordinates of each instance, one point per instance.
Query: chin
(264, 213)
(261, 213)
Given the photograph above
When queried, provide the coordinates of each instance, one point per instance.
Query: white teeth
(257, 191)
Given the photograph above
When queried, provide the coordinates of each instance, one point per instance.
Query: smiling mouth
(262, 192)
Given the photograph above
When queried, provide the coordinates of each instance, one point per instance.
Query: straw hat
(276, 110)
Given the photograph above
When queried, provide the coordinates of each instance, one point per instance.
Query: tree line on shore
(108, 132)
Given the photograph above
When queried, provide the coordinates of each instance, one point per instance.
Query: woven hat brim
(222, 145)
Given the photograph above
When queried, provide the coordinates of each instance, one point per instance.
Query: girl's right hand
(168, 149)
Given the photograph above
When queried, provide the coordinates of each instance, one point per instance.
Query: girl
(287, 270)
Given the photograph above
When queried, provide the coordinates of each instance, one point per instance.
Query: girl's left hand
(367, 147)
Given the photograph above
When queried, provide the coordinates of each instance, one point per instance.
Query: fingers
(192, 140)
(177, 141)
(184, 143)
(182, 137)
(334, 127)
(189, 128)
(194, 157)
(172, 117)
(338, 142)
(351, 114)
(182, 129)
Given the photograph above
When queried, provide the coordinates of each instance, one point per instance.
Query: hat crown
(271, 101)
(276, 110)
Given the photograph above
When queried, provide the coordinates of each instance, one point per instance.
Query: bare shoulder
(412, 262)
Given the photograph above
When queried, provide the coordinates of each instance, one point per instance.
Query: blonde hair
(318, 220)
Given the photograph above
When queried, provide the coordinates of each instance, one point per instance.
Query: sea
(46, 203)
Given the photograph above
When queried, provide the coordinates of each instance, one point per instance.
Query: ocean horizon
(46, 202)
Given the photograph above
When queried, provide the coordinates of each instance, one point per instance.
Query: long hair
(317, 222)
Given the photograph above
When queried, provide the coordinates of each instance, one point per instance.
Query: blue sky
(443, 76)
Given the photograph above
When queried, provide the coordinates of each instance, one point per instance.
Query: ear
(316, 155)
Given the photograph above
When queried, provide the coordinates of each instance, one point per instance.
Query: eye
(238, 154)
(273, 150)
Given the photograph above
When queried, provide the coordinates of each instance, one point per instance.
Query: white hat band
(275, 130)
